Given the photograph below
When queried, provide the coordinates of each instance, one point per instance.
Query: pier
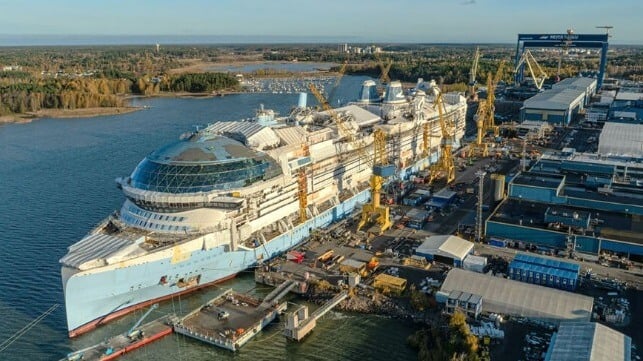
(299, 324)
(232, 319)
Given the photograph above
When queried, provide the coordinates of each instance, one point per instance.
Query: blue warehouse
(544, 271)
(584, 203)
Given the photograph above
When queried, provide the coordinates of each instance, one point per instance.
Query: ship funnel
(368, 93)
(394, 93)
(303, 97)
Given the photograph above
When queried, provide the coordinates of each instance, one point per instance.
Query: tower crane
(539, 75)
(490, 108)
(473, 96)
(445, 162)
(379, 162)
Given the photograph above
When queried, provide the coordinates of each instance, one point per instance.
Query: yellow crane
(445, 164)
(302, 183)
(480, 147)
(473, 96)
(490, 108)
(379, 162)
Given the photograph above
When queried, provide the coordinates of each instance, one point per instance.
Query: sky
(427, 21)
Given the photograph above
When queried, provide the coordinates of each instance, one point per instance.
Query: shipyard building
(560, 104)
(587, 341)
(544, 271)
(515, 298)
(583, 203)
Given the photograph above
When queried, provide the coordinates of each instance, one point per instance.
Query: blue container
(497, 242)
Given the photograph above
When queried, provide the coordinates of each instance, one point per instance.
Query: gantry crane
(490, 108)
(445, 164)
(473, 96)
(539, 75)
(379, 162)
(381, 169)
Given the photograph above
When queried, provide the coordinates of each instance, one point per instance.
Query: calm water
(57, 181)
(282, 66)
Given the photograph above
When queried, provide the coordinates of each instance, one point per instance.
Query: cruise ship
(225, 198)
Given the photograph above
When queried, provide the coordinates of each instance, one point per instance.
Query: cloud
(468, 2)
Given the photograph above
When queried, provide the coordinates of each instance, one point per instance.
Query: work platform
(119, 345)
(232, 319)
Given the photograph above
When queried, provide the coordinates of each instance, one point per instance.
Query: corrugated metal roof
(589, 341)
(547, 262)
(621, 139)
(250, 133)
(555, 99)
(576, 83)
(362, 116)
(447, 245)
(520, 299)
(291, 135)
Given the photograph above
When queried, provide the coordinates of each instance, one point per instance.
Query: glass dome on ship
(200, 164)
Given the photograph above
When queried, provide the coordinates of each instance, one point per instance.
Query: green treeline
(201, 82)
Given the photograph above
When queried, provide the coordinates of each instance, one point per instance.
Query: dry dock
(232, 319)
(121, 344)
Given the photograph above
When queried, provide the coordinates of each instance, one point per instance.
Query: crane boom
(445, 163)
(472, 74)
(490, 106)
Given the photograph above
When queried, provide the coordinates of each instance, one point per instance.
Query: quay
(232, 319)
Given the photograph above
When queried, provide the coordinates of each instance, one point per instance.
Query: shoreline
(24, 118)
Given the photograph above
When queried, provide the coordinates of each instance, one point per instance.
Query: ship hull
(97, 296)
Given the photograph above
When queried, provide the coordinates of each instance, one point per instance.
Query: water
(57, 181)
(280, 66)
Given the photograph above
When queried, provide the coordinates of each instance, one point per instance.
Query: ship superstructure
(225, 198)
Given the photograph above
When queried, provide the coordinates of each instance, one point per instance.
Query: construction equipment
(381, 169)
(563, 51)
(473, 96)
(479, 148)
(302, 189)
(379, 162)
(445, 162)
(133, 333)
(490, 107)
(539, 75)
(384, 70)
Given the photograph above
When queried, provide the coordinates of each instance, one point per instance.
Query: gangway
(299, 324)
(279, 292)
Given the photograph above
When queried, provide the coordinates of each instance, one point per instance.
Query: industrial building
(467, 303)
(561, 103)
(621, 139)
(441, 199)
(447, 249)
(588, 341)
(505, 296)
(586, 203)
(544, 271)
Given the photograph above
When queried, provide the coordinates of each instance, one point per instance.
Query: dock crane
(490, 108)
(302, 187)
(473, 96)
(480, 147)
(539, 75)
(379, 162)
(445, 163)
